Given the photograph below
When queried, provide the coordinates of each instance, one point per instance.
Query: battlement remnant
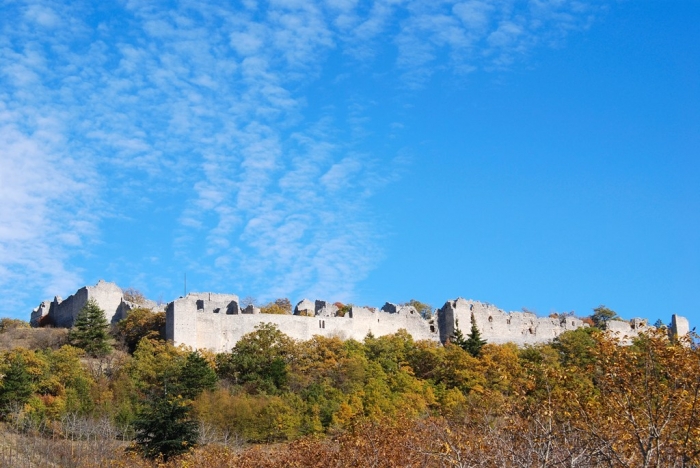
(305, 307)
(216, 321)
(498, 326)
(679, 325)
(62, 313)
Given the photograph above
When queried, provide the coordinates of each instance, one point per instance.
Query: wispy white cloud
(46, 196)
(203, 106)
(488, 34)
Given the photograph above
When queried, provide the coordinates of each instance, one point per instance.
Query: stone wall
(679, 325)
(526, 328)
(62, 313)
(497, 326)
(40, 315)
(208, 321)
(216, 321)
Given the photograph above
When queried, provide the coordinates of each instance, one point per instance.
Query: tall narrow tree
(164, 427)
(474, 341)
(15, 383)
(194, 377)
(458, 338)
(89, 330)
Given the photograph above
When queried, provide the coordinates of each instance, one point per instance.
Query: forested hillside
(581, 401)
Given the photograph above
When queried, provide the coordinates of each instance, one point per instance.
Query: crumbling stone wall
(305, 307)
(62, 313)
(216, 321)
(198, 320)
(679, 325)
(526, 328)
(497, 326)
(193, 320)
(40, 315)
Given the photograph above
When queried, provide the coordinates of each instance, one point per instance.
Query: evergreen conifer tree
(165, 428)
(17, 385)
(89, 330)
(474, 342)
(458, 338)
(195, 376)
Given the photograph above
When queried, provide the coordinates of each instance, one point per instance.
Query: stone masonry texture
(216, 321)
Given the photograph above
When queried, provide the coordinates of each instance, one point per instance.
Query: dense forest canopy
(581, 401)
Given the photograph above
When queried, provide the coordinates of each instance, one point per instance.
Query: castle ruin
(62, 313)
(217, 321)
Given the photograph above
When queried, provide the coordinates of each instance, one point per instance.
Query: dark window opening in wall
(377, 320)
(508, 322)
(531, 331)
(490, 319)
(432, 328)
(324, 324)
(200, 304)
(216, 311)
(319, 324)
(573, 324)
(471, 306)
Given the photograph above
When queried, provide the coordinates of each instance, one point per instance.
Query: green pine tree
(458, 338)
(474, 342)
(16, 386)
(90, 330)
(195, 376)
(165, 428)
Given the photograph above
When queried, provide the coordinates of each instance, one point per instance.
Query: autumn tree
(66, 385)
(278, 307)
(343, 309)
(90, 330)
(284, 304)
(7, 323)
(647, 410)
(134, 295)
(577, 347)
(154, 363)
(258, 360)
(140, 323)
(425, 310)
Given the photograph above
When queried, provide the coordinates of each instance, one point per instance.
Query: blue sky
(538, 154)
